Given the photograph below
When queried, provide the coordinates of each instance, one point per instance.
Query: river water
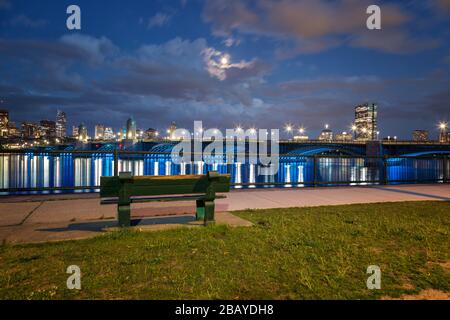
(18, 171)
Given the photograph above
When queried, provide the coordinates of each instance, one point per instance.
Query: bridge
(362, 148)
(294, 148)
(307, 163)
(353, 148)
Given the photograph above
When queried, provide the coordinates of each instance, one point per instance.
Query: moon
(224, 60)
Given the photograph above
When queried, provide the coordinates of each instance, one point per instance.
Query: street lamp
(288, 128)
(442, 131)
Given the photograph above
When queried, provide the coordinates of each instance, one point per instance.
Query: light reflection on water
(66, 170)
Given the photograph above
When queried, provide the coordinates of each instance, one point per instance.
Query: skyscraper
(326, 134)
(171, 130)
(108, 134)
(344, 136)
(47, 129)
(150, 134)
(420, 135)
(4, 120)
(30, 130)
(99, 132)
(82, 133)
(13, 131)
(122, 133)
(366, 121)
(131, 129)
(61, 122)
(443, 132)
(75, 132)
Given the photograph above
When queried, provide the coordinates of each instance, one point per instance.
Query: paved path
(44, 218)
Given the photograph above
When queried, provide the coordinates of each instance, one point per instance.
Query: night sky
(254, 63)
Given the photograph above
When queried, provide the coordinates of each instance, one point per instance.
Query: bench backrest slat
(162, 185)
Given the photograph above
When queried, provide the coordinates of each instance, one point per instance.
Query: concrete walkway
(62, 217)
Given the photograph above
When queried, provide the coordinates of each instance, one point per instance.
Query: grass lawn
(298, 253)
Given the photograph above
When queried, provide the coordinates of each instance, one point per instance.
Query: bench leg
(123, 215)
(209, 212)
(200, 213)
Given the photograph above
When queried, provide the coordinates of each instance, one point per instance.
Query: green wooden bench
(127, 189)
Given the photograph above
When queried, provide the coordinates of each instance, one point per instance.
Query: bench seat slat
(158, 190)
(159, 199)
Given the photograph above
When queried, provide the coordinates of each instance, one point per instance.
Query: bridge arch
(107, 147)
(162, 147)
(426, 153)
(310, 151)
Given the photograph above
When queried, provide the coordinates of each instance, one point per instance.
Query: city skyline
(363, 128)
(217, 62)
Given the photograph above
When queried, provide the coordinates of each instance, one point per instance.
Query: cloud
(185, 80)
(68, 49)
(447, 59)
(37, 51)
(191, 57)
(5, 4)
(418, 101)
(392, 42)
(91, 79)
(218, 63)
(308, 26)
(176, 51)
(443, 6)
(230, 41)
(226, 16)
(96, 49)
(183, 69)
(159, 19)
(438, 104)
(356, 84)
(24, 21)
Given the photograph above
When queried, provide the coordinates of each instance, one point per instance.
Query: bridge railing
(80, 171)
